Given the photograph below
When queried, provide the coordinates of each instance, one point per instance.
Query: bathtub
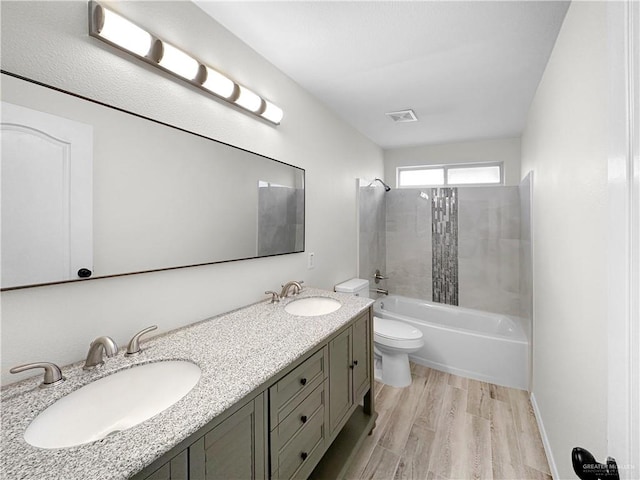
(474, 344)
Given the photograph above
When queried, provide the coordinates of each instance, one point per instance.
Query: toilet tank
(356, 286)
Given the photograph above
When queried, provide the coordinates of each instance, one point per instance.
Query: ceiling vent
(402, 116)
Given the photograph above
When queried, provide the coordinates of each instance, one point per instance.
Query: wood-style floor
(448, 427)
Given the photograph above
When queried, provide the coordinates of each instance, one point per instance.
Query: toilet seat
(400, 335)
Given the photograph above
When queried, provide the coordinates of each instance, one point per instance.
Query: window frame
(445, 167)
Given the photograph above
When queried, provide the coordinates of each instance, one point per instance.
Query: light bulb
(249, 100)
(272, 113)
(218, 84)
(178, 62)
(123, 33)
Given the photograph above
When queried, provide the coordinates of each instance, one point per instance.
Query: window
(450, 175)
(420, 177)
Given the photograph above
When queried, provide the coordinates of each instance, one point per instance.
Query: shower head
(386, 187)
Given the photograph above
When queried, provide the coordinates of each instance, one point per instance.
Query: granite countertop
(237, 352)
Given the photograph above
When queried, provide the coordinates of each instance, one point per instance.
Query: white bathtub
(470, 343)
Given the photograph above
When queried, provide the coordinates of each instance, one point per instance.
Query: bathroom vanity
(281, 396)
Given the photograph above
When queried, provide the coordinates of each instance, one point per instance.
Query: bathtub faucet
(380, 290)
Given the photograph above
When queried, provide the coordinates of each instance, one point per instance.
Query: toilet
(393, 341)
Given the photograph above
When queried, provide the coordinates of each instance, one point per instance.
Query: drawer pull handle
(304, 455)
(355, 362)
(303, 419)
(303, 381)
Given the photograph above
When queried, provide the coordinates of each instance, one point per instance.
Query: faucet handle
(275, 298)
(134, 344)
(379, 276)
(52, 373)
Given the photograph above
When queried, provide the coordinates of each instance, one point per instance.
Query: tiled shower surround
(489, 249)
(444, 250)
(371, 212)
(408, 253)
(421, 254)
(526, 260)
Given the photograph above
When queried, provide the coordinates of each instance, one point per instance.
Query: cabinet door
(361, 357)
(234, 449)
(340, 378)
(175, 469)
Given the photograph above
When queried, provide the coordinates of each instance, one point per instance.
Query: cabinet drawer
(299, 417)
(295, 386)
(301, 454)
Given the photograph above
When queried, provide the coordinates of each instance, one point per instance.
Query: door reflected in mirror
(161, 197)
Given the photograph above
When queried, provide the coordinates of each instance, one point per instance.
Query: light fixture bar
(112, 28)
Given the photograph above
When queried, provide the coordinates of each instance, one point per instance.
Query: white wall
(505, 150)
(48, 42)
(564, 144)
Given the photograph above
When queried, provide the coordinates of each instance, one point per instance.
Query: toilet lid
(394, 329)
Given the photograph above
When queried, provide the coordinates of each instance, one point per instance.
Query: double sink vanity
(272, 390)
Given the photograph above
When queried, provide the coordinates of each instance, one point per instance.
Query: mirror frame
(160, 122)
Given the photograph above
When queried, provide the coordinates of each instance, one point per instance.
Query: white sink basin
(111, 404)
(312, 306)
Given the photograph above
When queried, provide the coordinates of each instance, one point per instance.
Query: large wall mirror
(91, 191)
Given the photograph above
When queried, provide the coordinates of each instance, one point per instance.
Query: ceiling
(468, 70)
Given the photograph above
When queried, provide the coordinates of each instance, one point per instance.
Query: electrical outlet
(311, 260)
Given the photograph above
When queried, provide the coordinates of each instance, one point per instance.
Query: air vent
(402, 116)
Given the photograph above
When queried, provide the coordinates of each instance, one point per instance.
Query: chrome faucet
(381, 291)
(99, 346)
(287, 286)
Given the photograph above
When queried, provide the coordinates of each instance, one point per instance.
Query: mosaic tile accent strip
(444, 234)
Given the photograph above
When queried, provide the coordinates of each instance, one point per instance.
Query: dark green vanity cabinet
(349, 371)
(308, 421)
(235, 448)
(362, 356)
(175, 469)
(298, 410)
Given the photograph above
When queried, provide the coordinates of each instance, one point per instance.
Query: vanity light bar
(119, 32)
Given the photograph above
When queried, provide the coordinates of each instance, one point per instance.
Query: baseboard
(545, 439)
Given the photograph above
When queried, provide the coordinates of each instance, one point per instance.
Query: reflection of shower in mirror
(386, 187)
